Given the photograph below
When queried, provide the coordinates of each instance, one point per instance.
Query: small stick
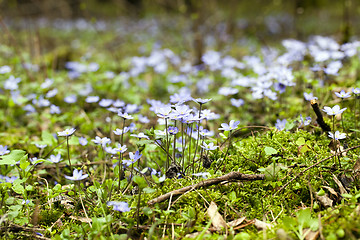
(320, 119)
(323, 160)
(232, 176)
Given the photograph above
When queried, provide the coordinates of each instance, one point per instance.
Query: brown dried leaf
(357, 168)
(216, 219)
(310, 235)
(81, 219)
(341, 187)
(324, 200)
(260, 225)
(195, 234)
(331, 190)
(236, 222)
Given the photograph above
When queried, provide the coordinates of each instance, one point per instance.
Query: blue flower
(209, 147)
(173, 130)
(334, 110)
(309, 96)
(280, 124)
(140, 135)
(337, 135)
(55, 159)
(135, 156)
(77, 175)
(356, 91)
(83, 141)
(3, 150)
(342, 94)
(231, 126)
(101, 141)
(67, 132)
(119, 206)
(236, 102)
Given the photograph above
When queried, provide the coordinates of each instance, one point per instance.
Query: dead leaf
(260, 225)
(335, 147)
(81, 219)
(310, 235)
(216, 219)
(324, 200)
(341, 187)
(331, 190)
(195, 234)
(236, 222)
(357, 168)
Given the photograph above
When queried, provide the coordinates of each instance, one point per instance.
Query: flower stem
(68, 151)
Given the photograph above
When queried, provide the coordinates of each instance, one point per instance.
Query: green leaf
(149, 190)
(147, 211)
(48, 138)
(270, 151)
(24, 163)
(12, 157)
(300, 141)
(140, 182)
(304, 217)
(19, 189)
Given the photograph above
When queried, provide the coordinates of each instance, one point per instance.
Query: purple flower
(334, 110)
(70, 99)
(135, 156)
(280, 124)
(83, 141)
(55, 159)
(92, 99)
(202, 100)
(173, 130)
(41, 146)
(237, 102)
(125, 115)
(309, 96)
(4, 150)
(54, 109)
(121, 131)
(67, 132)
(209, 147)
(140, 135)
(101, 141)
(77, 175)
(201, 174)
(105, 102)
(119, 206)
(337, 135)
(356, 91)
(342, 94)
(122, 148)
(231, 126)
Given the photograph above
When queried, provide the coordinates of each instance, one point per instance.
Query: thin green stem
(68, 151)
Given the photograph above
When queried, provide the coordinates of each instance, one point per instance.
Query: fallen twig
(230, 177)
(308, 168)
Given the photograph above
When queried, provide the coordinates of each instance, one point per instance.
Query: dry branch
(230, 177)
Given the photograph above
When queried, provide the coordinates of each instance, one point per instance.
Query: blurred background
(178, 24)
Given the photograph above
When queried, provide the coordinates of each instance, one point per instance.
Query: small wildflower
(209, 147)
(119, 206)
(231, 126)
(337, 135)
(201, 174)
(140, 135)
(55, 159)
(101, 141)
(334, 110)
(309, 96)
(121, 131)
(135, 156)
(125, 115)
(342, 94)
(173, 130)
(83, 141)
(356, 91)
(77, 175)
(280, 124)
(202, 100)
(122, 148)
(4, 150)
(41, 146)
(67, 132)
